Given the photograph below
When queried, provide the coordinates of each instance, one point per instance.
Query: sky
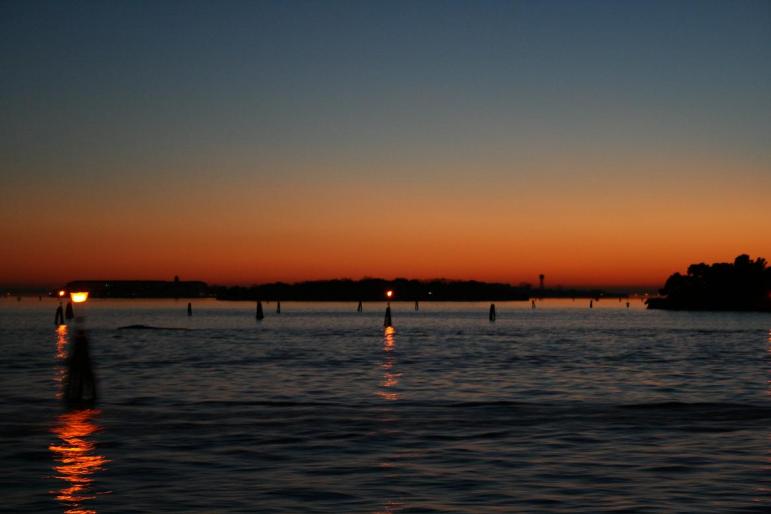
(600, 143)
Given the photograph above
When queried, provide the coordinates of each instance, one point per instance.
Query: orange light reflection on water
(61, 355)
(390, 379)
(61, 342)
(76, 459)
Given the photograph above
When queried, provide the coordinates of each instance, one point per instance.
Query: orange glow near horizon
(593, 228)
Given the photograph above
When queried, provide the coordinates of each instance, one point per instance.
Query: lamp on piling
(387, 321)
(79, 296)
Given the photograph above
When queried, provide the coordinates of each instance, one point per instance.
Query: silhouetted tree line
(373, 289)
(742, 285)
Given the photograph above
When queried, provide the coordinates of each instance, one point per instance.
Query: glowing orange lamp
(79, 297)
(389, 294)
(62, 292)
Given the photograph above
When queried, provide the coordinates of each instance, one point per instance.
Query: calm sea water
(557, 409)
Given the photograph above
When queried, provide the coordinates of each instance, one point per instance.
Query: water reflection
(76, 460)
(61, 342)
(391, 507)
(61, 356)
(390, 378)
(388, 463)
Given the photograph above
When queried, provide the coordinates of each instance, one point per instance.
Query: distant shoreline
(336, 290)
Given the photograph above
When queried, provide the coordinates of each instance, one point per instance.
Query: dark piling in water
(360, 308)
(189, 309)
(259, 314)
(417, 305)
(80, 382)
(59, 317)
(591, 304)
(532, 304)
(278, 307)
(627, 305)
(387, 321)
(68, 312)
(492, 312)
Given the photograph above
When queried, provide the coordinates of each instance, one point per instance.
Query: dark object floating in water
(149, 327)
(68, 312)
(387, 321)
(492, 312)
(744, 285)
(80, 381)
(278, 307)
(189, 309)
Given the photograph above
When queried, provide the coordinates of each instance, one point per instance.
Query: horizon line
(48, 286)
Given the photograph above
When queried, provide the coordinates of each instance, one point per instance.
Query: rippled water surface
(561, 408)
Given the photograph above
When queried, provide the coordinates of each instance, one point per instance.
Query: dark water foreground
(557, 409)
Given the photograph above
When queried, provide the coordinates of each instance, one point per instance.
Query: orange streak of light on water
(76, 459)
(61, 342)
(61, 356)
(390, 379)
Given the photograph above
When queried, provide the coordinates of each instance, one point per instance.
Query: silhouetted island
(367, 289)
(373, 289)
(744, 285)
(140, 288)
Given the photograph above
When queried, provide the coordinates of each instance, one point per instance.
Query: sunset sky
(600, 143)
